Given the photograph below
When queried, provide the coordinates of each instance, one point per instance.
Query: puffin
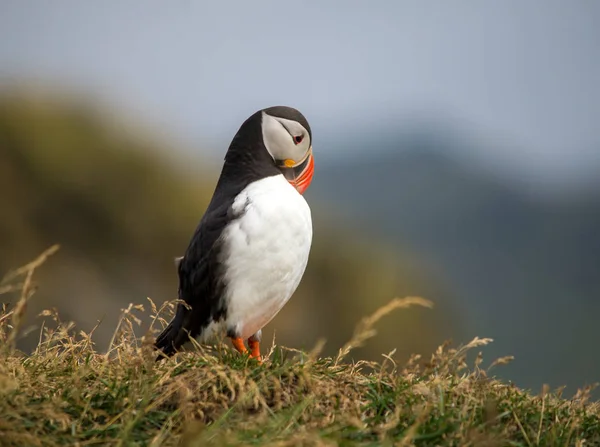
(249, 252)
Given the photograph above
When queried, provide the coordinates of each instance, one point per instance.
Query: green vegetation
(67, 393)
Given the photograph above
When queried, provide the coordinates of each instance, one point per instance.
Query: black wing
(200, 281)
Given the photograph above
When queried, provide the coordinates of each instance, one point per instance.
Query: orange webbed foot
(238, 344)
(254, 346)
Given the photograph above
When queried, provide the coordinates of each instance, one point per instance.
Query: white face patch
(285, 139)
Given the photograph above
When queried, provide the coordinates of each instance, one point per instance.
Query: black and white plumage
(249, 252)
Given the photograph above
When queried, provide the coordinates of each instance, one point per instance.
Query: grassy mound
(67, 393)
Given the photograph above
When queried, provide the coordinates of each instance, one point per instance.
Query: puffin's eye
(298, 139)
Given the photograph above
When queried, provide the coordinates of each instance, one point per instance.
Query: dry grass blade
(523, 432)
(27, 290)
(500, 361)
(365, 328)
(545, 390)
(31, 266)
(407, 439)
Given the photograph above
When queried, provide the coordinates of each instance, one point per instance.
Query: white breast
(265, 253)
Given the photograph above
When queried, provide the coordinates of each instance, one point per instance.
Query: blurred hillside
(122, 210)
(525, 267)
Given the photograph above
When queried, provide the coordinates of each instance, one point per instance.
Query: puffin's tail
(164, 342)
(169, 339)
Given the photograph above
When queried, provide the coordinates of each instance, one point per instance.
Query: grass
(68, 393)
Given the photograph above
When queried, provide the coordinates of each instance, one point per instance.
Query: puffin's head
(288, 139)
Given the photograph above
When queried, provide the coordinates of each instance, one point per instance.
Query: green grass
(68, 393)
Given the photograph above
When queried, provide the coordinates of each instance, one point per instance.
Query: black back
(201, 283)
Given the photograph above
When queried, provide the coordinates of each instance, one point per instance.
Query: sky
(526, 74)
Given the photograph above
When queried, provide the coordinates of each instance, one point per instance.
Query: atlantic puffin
(251, 247)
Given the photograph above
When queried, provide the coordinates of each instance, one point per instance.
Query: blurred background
(457, 154)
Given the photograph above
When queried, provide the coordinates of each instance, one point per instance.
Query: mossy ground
(68, 393)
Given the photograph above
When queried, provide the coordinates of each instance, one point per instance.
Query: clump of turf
(68, 393)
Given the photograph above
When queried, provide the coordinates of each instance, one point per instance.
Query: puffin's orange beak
(299, 175)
